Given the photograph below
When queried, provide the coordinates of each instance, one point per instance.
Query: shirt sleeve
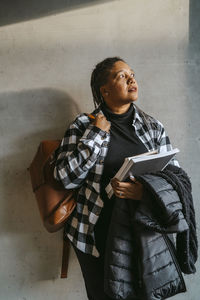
(77, 154)
(164, 144)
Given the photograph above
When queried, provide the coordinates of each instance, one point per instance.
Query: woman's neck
(119, 109)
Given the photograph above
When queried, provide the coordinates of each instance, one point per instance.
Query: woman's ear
(103, 91)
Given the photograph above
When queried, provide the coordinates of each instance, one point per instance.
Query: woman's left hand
(127, 190)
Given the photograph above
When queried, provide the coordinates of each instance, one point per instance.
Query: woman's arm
(78, 153)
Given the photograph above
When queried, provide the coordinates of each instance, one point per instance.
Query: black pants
(93, 267)
(93, 273)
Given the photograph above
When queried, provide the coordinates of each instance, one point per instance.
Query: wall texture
(46, 57)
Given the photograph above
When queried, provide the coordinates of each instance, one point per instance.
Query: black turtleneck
(123, 143)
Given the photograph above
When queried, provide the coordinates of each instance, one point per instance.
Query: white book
(140, 164)
(122, 171)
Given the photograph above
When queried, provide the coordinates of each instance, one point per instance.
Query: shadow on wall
(193, 102)
(26, 118)
(22, 10)
(194, 25)
(193, 91)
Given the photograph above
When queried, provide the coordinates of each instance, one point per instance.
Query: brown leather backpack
(55, 203)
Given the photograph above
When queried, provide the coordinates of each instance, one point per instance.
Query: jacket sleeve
(77, 154)
(160, 208)
(163, 142)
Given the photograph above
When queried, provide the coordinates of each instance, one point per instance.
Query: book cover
(141, 164)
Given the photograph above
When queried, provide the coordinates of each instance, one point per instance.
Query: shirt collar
(137, 115)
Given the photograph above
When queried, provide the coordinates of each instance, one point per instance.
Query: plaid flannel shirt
(79, 165)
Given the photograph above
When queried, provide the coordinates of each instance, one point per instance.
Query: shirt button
(103, 137)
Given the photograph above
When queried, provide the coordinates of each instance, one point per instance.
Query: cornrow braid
(99, 77)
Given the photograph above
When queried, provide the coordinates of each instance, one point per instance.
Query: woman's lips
(132, 90)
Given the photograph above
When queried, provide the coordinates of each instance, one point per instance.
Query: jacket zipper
(174, 260)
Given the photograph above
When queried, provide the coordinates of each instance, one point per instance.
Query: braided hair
(99, 77)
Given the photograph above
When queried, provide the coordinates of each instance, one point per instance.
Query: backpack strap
(65, 258)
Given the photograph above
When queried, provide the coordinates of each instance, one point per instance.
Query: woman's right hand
(101, 122)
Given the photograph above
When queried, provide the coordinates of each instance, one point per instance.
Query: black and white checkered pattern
(79, 165)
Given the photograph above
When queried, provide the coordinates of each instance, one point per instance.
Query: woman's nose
(131, 80)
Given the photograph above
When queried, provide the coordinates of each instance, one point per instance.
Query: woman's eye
(132, 75)
(121, 76)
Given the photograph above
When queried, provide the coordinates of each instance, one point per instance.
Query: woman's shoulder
(149, 120)
(82, 119)
(157, 123)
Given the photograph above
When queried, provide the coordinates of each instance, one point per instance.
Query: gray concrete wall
(46, 57)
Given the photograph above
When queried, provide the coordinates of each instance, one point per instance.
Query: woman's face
(121, 87)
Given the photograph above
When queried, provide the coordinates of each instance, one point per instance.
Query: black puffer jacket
(141, 261)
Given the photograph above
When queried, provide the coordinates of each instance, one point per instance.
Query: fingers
(120, 184)
(127, 190)
(100, 116)
(114, 182)
(132, 178)
(120, 190)
(101, 122)
(120, 193)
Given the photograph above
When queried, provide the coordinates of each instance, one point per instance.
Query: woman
(90, 154)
